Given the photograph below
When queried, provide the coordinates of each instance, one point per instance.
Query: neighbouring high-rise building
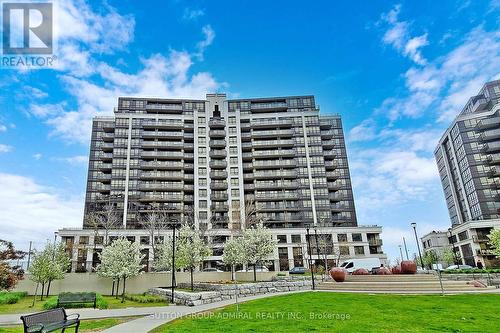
(219, 162)
(468, 158)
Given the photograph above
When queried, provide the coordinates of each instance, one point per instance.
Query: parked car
(455, 267)
(298, 270)
(258, 269)
(367, 263)
(212, 269)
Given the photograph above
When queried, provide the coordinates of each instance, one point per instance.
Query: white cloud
(96, 85)
(76, 160)
(3, 128)
(399, 37)
(31, 211)
(5, 148)
(192, 14)
(37, 156)
(447, 82)
(363, 132)
(209, 35)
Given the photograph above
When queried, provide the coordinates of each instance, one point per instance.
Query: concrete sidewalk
(167, 314)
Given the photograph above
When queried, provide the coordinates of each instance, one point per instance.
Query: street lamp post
(173, 261)
(317, 243)
(401, 252)
(309, 256)
(453, 247)
(406, 249)
(414, 225)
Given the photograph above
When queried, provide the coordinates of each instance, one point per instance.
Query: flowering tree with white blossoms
(120, 260)
(192, 250)
(494, 237)
(234, 254)
(258, 246)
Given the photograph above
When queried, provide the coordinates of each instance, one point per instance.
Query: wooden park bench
(49, 321)
(76, 298)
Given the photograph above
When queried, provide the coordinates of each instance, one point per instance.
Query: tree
(59, 264)
(429, 258)
(9, 274)
(448, 256)
(120, 260)
(163, 259)
(192, 250)
(154, 222)
(106, 219)
(40, 271)
(494, 242)
(258, 245)
(234, 254)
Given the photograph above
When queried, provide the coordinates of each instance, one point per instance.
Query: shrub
(472, 271)
(11, 297)
(144, 298)
(101, 303)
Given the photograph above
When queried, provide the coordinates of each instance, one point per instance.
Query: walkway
(151, 317)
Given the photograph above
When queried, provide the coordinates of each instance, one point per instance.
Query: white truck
(367, 263)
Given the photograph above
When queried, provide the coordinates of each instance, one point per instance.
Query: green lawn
(335, 312)
(85, 326)
(24, 305)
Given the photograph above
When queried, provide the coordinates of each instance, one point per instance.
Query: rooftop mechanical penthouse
(219, 161)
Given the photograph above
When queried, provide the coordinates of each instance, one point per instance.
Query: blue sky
(396, 72)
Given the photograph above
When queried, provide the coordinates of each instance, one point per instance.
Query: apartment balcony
(275, 174)
(248, 176)
(273, 143)
(162, 134)
(107, 137)
(329, 134)
(249, 187)
(375, 242)
(334, 186)
(161, 175)
(246, 136)
(105, 166)
(161, 197)
(329, 154)
(246, 156)
(101, 187)
(103, 177)
(494, 172)
(218, 197)
(273, 164)
(218, 164)
(247, 166)
(217, 133)
(188, 198)
(271, 123)
(218, 174)
(218, 153)
(107, 147)
(170, 123)
(489, 135)
(188, 156)
(108, 126)
(493, 159)
(165, 165)
(335, 197)
(276, 184)
(218, 185)
(337, 208)
(331, 165)
(219, 207)
(162, 154)
(332, 175)
(488, 123)
(162, 144)
(165, 186)
(188, 177)
(272, 134)
(276, 196)
(217, 143)
(188, 188)
(495, 184)
(105, 156)
(268, 105)
(480, 239)
(217, 123)
(274, 153)
(328, 144)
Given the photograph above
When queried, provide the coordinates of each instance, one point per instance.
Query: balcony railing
(217, 133)
(375, 242)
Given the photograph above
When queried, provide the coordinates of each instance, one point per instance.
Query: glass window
(281, 238)
(342, 237)
(356, 238)
(359, 250)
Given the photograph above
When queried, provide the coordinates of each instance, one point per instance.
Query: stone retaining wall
(211, 292)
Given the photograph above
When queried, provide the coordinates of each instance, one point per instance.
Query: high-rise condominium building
(216, 162)
(468, 158)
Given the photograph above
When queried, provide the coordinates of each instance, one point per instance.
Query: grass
(23, 305)
(11, 297)
(88, 326)
(336, 312)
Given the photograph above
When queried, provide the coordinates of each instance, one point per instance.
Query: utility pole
(406, 249)
(309, 252)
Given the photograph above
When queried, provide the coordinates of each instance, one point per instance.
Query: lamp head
(413, 224)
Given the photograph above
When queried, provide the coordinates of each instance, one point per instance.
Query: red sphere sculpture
(408, 267)
(361, 271)
(396, 270)
(383, 271)
(338, 274)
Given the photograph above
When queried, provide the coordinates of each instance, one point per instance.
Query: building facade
(437, 241)
(468, 159)
(217, 163)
